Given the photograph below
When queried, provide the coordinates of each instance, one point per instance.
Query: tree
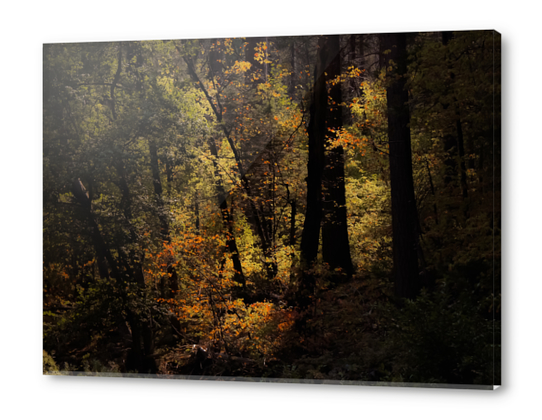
(403, 202)
(325, 177)
(335, 245)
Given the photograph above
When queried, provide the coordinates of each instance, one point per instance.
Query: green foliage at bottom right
(441, 337)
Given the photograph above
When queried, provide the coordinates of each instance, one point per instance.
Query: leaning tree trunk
(256, 217)
(227, 219)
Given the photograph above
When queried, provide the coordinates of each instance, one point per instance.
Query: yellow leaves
(239, 67)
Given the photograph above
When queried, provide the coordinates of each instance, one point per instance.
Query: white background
(25, 26)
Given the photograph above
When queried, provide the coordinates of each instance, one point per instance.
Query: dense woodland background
(323, 207)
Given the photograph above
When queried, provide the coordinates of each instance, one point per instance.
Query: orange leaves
(347, 140)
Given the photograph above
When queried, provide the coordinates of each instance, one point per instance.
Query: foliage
(175, 196)
(448, 340)
(49, 365)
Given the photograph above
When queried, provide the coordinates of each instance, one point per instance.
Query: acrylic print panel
(320, 209)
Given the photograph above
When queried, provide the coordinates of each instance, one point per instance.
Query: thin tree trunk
(456, 142)
(227, 219)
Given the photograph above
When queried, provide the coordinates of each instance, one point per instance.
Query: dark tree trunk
(335, 245)
(325, 172)
(315, 167)
(454, 143)
(352, 42)
(403, 203)
(310, 237)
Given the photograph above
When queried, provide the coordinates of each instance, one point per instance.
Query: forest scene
(320, 208)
